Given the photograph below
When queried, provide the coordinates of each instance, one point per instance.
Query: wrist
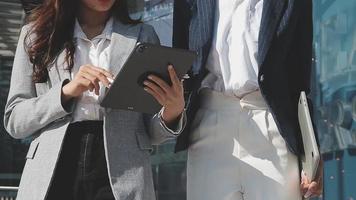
(171, 117)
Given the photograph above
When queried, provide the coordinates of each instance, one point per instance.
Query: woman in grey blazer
(66, 57)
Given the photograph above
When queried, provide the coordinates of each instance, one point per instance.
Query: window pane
(335, 75)
(334, 94)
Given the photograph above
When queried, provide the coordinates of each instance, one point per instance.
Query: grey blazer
(35, 109)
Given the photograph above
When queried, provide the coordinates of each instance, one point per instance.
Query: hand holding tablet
(147, 60)
(171, 97)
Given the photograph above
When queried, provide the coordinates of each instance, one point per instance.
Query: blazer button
(262, 78)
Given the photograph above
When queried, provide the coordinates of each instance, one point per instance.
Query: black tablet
(127, 93)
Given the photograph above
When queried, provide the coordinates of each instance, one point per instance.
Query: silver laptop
(310, 161)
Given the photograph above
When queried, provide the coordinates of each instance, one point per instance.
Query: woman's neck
(92, 22)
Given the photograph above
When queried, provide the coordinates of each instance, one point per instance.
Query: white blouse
(232, 62)
(95, 52)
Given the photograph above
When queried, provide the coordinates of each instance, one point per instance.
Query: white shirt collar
(105, 34)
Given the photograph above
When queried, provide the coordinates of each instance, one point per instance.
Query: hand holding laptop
(312, 188)
(311, 177)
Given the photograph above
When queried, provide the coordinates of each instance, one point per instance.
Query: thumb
(304, 177)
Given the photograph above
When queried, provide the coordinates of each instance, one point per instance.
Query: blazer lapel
(201, 29)
(202, 23)
(191, 2)
(123, 41)
(58, 72)
(272, 12)
(63, 71)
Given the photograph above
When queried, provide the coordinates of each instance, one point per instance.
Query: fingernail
(170, 67)
(145, 82)
(150, 77)
(308, 194)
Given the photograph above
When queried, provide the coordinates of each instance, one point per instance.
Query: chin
(103, 5)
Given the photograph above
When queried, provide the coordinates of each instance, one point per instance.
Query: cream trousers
(237, 152)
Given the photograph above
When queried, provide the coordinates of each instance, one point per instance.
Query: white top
(232, 62)
(95, 52)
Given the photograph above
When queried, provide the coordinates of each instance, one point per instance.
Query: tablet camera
(141, 48)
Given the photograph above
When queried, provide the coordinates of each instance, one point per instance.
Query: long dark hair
(51, 32)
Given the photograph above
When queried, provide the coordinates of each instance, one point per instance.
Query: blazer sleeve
(304, 47)
(158, 131)
(25, 112)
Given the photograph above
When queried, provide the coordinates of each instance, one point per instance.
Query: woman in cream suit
(66, 57)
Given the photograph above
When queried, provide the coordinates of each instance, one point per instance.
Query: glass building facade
(333, 93)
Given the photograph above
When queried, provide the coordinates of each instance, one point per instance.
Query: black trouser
(81, 172)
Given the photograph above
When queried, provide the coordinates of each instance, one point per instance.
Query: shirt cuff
(178, 129)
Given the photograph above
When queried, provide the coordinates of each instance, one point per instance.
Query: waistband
(211, 99)
(93, 127)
